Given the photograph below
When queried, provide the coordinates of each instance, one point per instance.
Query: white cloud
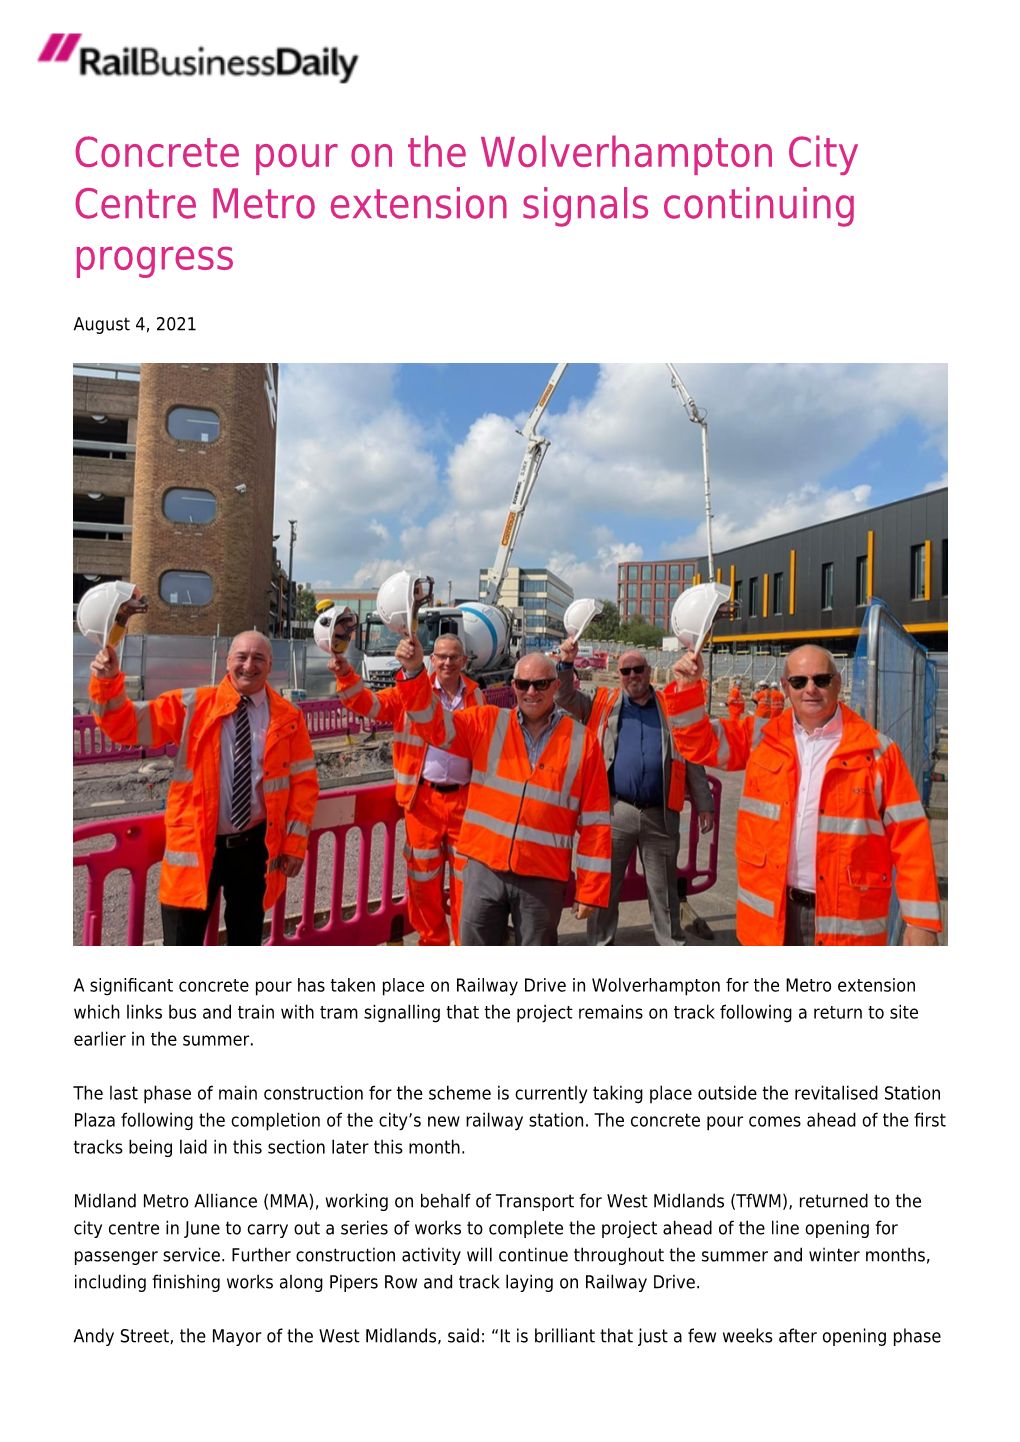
(622, 478)
(347, 452)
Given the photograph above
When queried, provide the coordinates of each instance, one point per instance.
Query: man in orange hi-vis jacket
(828, 818)
(735, 702)
(432, 786)
(777, 702)
(538, 782)
(242, 792)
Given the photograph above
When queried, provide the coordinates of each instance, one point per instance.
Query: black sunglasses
(542, 685)
(633, 670)
(799, 682)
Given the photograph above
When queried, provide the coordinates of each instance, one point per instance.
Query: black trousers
(800, 923)
(240, 871)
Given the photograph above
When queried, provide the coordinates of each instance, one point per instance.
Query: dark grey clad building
(814, 584)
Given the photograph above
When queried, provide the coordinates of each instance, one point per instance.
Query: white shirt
(258, 716)
(814, 751)
(440, 766)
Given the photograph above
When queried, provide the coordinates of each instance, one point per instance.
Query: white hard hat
(578, 614)
(398, 595)
(334, 627)
(695, 610)
(97, 610)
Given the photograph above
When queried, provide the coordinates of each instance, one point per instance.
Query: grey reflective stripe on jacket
(840, 926)
(923, 910)
(722, 754)
(688, 718)
(906, 811)
(850, 825)
(515, 832)
(349, 692)
(755, 902)
(181, 771)
(771, 810)
(592, 863)
(100, 708)
(180, 858)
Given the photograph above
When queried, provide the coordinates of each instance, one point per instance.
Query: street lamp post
(290, 582)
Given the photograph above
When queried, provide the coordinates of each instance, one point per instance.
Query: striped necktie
(240, 787)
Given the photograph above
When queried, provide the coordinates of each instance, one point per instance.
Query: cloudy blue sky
(393, 466)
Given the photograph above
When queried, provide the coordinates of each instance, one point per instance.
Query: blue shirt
(636, 772)
(534, 744)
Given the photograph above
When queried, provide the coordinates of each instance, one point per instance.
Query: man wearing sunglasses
(537, 785)
(828, 818)
(648, 781)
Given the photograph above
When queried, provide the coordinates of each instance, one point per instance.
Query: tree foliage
(306, 604)
(639, 632)
(606, 626)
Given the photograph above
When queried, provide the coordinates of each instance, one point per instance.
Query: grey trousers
(658, 851)
(492, 898)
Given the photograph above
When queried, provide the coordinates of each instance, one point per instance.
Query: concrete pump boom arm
(535, 447)
(700, 418)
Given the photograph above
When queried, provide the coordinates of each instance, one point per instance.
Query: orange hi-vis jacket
(871, 825)
(777, 702)
(763, 702)
(735, 703)
(519, 818)
(408, 747)
(190, 719)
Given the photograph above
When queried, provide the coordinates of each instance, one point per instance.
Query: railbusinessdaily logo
(59, 47)
(147, 60)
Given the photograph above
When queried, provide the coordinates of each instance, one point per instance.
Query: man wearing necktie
(242, 792)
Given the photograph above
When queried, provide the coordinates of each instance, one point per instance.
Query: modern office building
(815, 583)
(649, 588)
(174, 478)
(542, 596)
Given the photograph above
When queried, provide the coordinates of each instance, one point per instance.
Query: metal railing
(111, 372)
(895, 688)
(125, 448)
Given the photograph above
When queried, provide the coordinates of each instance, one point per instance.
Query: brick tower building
(204, 478)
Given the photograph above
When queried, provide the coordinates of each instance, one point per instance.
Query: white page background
(914, 278)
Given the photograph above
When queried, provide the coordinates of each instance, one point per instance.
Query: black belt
(444, 786)
(242, 838)
(637, 805)
(802, 898)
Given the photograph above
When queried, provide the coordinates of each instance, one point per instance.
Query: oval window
(185, 504)
(185, 423)
(185, 588)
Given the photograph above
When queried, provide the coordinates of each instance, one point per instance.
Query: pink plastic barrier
(90, 745)
(698, 878)
(138, 842)
(329, 718)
